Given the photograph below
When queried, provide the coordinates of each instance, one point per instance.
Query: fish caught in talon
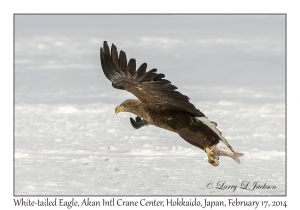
(222, 151)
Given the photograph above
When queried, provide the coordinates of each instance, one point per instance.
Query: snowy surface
(68, 149)
(68, 140)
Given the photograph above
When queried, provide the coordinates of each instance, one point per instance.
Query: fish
(222, 151)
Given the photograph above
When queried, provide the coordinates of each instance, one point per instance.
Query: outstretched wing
(149, 87)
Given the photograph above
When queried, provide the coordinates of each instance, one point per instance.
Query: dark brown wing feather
(149, 87)
(199, 132)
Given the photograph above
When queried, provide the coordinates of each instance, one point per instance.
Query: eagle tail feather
(212, 125)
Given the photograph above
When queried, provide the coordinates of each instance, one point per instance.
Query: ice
(71, 149)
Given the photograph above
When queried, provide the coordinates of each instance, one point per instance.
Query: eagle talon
(215, 163)
(212, 158)
(217, 157)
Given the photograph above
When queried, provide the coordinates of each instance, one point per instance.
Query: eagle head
(130, 105)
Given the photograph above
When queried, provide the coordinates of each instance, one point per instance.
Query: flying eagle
(161, 105)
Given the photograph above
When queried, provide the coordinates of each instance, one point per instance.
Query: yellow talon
(210, 154)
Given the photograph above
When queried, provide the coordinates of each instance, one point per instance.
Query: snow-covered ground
(70, 149)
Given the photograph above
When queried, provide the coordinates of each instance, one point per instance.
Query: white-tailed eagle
(161, 105)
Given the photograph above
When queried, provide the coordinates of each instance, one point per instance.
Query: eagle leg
(138, 122)
(211, 157)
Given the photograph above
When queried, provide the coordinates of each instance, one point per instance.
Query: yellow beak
(119, 109)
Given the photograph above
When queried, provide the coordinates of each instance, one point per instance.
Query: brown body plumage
(160, 104)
